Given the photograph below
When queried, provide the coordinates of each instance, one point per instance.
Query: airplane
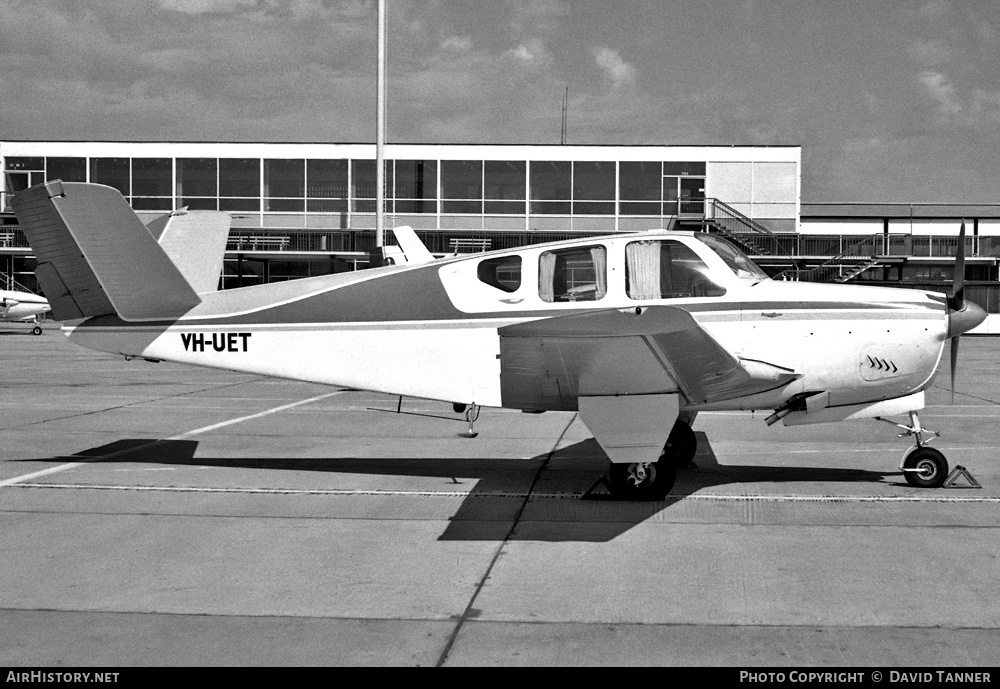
(636, 332)
(22, 306)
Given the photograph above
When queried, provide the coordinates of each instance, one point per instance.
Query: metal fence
(821, 245)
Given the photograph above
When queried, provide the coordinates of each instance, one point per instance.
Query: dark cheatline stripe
(418, 295)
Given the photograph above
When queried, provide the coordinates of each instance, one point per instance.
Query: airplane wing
(609, 353)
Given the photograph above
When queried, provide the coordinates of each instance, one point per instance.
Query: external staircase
(779, 250)
(9, 284)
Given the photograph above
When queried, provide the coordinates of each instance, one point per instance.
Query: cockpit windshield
(737, 261)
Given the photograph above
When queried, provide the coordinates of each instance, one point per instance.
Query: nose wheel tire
(925, 467)
(639, 481)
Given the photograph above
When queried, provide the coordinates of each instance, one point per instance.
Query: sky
(890, 100)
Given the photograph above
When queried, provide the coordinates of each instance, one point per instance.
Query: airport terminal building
(301, 209)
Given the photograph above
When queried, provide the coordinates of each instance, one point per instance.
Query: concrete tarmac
(159, 515)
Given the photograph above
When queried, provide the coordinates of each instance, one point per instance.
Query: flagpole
(380, 138)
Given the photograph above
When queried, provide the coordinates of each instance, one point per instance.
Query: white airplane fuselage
(21, 306)
(434, 331)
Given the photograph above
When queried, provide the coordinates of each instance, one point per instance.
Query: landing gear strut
(471, 414)
(653, 480)
(922, 466)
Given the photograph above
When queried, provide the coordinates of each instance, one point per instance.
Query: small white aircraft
(637, 332)
(22, 306)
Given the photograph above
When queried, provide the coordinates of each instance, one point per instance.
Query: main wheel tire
(931, 465)
(37, 330)
(681, 447)
(642, 481)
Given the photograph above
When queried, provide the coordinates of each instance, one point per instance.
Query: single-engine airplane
(22, 306)
(637, 332)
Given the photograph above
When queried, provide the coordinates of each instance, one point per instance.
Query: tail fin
(196, 243)
(95, 257)
(413, 249)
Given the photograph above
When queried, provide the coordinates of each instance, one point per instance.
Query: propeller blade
(957, 299)
(954, 365)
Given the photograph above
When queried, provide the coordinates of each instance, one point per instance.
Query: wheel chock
(602, 482)
(958, 472)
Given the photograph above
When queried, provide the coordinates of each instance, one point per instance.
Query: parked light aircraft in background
(22, 306)
(636, 332)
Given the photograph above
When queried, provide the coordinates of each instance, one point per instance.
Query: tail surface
(413, 249)
(95, 257)
(195, 241)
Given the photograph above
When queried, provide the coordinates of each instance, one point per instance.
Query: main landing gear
(653, 480)
(922, 466)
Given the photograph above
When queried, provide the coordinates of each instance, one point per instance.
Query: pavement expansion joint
(518, 495)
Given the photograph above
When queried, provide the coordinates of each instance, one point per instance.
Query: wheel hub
(639, 473)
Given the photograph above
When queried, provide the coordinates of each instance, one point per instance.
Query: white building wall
(758, 189)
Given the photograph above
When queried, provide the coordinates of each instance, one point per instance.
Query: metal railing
(754, 242)
(10, 284)
(730, 219)
(880, 244)
(12, 238)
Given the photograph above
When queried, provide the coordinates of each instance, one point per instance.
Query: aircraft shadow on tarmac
(547, 498)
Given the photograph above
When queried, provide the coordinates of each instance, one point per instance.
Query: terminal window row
(492, 187)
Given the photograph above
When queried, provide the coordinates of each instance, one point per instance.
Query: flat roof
(642, 152)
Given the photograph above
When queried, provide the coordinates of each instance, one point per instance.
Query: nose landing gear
(922, 466)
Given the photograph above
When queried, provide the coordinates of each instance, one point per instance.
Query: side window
(503, 273)
(666, 270)
(578, 274)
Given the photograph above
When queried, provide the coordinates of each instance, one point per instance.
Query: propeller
(963, 316)
(956, 302)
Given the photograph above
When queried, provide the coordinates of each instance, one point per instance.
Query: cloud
(976, 108)
(935, 9)
(621, 73)
(537, 16)
(206, 6)
(531, 53)
(942, 90)
(458, 44)
(931, 53)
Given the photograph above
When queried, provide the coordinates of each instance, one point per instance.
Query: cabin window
(578, 274)
(503, 273)
(666, 270)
